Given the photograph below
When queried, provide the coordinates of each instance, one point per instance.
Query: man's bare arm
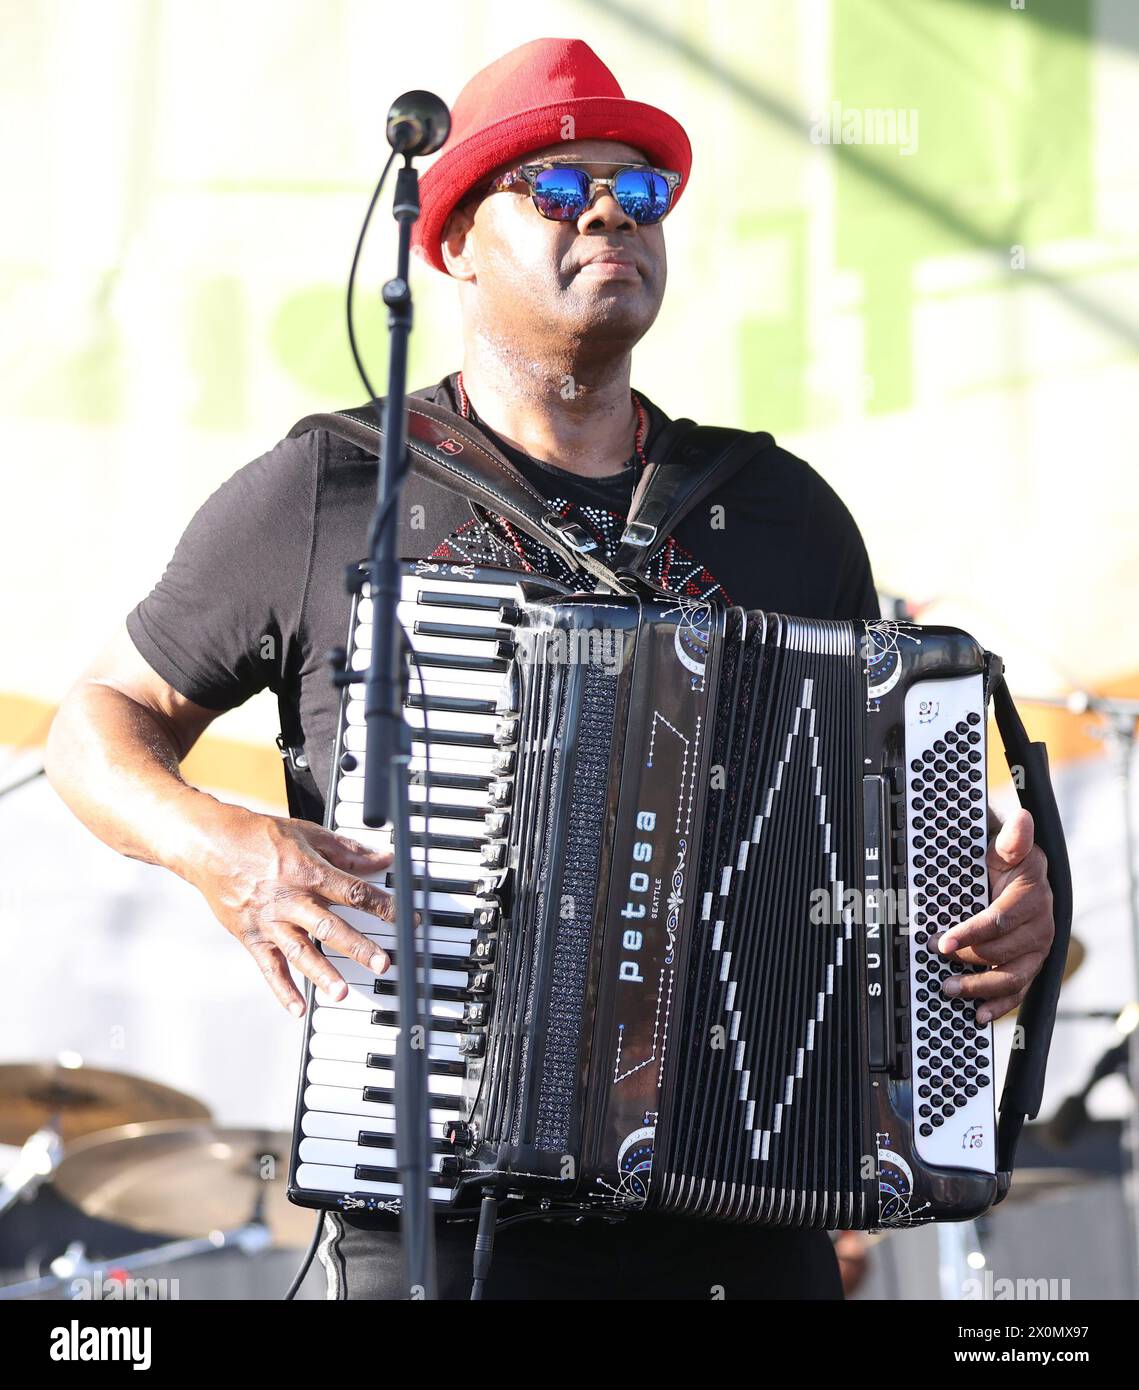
(114, 755)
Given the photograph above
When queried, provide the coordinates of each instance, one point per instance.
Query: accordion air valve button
(507, 732)
(457, 1133)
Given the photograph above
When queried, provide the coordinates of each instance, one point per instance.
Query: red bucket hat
(519, 104)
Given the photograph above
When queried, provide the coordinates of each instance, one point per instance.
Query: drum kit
(125, 1150)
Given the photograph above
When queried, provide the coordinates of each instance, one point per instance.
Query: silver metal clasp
(638, 533)
(570, 533)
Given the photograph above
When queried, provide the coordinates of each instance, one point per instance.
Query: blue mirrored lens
(561, 193)
(642, 194)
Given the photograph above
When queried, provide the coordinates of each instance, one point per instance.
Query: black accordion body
(682, 870)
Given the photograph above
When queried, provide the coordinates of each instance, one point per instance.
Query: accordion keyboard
(460, 695)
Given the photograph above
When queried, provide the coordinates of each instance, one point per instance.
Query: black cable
(484, 1243)
(382, 519)
(306, 1263)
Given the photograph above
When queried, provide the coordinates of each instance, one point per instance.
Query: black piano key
(455, 781)
(468, 842)
(434, 1067)
(449, 919)
(442, 598)
(466, 886)
(438, 963)
(462, 663)
(366, 1173)
(390, 1018)
(451, 704)
(452, 738)
(439, 810)
(369, 1139)
(463, 630)
(385, 1095)
(447, 994)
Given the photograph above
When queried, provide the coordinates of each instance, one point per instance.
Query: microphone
(418, 123)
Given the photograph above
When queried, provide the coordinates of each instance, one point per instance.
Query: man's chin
(613, 304)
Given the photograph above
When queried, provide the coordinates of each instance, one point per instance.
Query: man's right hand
(273, 883)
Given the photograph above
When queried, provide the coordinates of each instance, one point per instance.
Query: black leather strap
(688, 461)
(446, 449)
(1036, 1018)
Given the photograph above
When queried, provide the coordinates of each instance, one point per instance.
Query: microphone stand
(418, 123)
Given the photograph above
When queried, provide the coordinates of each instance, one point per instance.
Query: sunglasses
(562, 192)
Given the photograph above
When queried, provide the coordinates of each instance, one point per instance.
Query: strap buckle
(569, 533)
(639, 534)
(295, 756)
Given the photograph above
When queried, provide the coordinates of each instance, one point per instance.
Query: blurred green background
(909, 249)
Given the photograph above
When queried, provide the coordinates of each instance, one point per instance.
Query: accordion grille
(769, 1079)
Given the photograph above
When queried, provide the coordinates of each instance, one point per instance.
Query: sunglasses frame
(526, 173)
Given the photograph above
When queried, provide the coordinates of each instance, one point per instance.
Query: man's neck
(581, 420)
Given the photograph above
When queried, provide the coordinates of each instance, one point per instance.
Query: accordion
(682, 869)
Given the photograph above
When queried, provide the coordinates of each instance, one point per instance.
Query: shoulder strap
(446, 449)
(688, 461)
(1024, 1080)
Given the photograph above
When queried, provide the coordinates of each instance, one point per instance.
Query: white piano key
(431, 643)
(341, 1153)
(440, 721)
(328, 1018)
(336, 1103)
(349, 818)
(325, 1178)
(344, 1047)
(354, 973)
(322, 1071)
(443, 941)
(317, 1124)
(476, 760)
(344, 1153)
(363, 1001)
(445, 862)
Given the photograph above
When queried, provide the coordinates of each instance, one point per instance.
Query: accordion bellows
(683, 869)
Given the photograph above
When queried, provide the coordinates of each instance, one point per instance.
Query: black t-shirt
(254, 595)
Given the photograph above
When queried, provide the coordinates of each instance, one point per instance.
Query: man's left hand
(1012, 936)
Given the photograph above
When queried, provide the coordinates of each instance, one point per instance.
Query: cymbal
(82, 1100)
(185, 1180)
